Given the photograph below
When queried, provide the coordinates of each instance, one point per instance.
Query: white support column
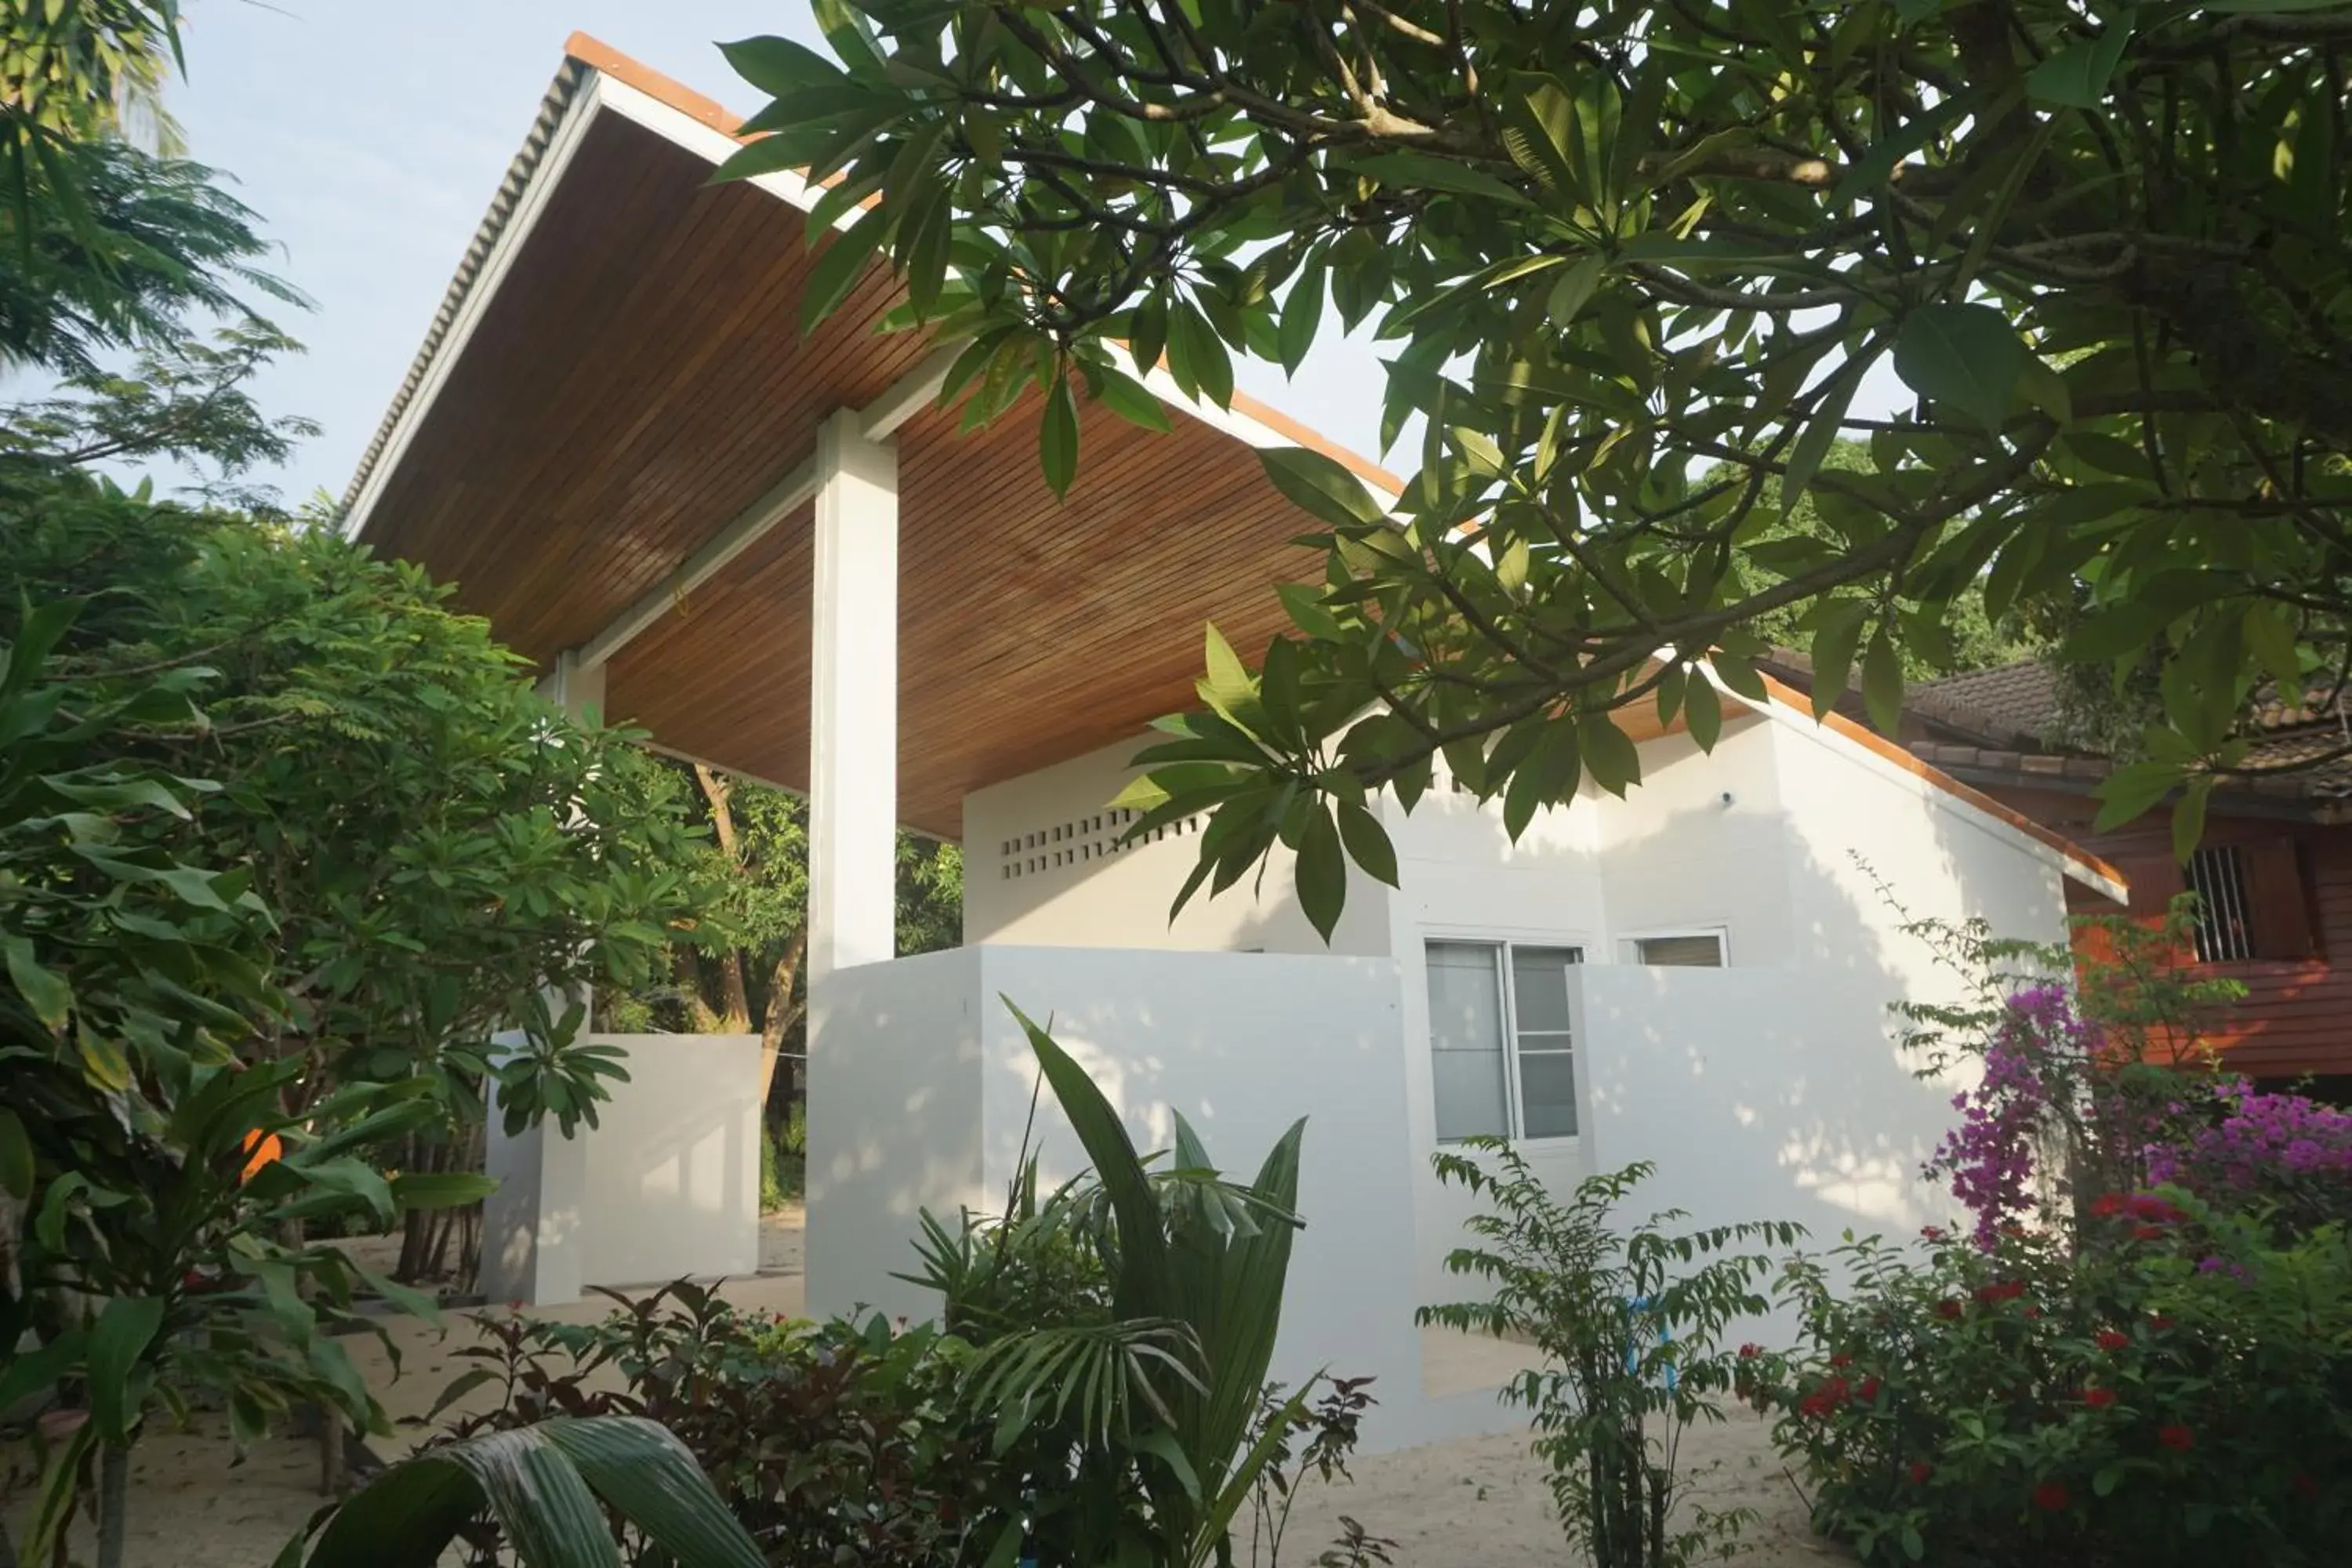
(534, 1227)
(854, 703)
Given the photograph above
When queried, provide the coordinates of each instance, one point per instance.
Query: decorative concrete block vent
(1080, 841)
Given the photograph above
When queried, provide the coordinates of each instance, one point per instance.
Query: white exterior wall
(672, 1178)
(1676, 854)
(1072, 884)
(1772, 1089)
(931, 1110)
(894, 1125)
(667, 1184)
(1463, 878)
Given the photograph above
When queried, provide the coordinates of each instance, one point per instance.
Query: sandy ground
(1478, 1502)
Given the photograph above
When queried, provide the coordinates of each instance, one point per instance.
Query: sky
(370, 138)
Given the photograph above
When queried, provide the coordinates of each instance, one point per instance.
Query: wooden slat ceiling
(640, 377)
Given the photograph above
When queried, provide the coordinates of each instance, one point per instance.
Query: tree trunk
(733, 994)
(783, 1013)
(113, 1502)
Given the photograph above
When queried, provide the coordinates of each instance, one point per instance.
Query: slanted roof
(616, 380)
(2001, 720)
(617, 372)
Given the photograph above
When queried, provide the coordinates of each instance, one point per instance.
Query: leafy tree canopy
(435, 845)
(1633, 261)
(113, 248)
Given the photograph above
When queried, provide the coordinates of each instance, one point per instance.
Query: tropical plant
(436, 845)
(157, 1173)
(2163, 1387)
(1633, 262)
(1135, 1400)
(1628, 1323)
(556, 1487)
(742, 968)
(2079, 1061)
(829, 1443)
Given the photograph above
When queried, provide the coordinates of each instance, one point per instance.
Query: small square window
(1697, 950)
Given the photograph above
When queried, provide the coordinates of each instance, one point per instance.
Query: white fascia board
(1231, 422)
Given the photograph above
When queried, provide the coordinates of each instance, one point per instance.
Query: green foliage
(1633, 264)
(255, 948)
(435, 845)
(1966, 637)
(828, 1443)
(2174, 1391)
(164, 1169)
(182, 400)
(1124, 1326)
(1628, 1323)
(121, 256)
(549, 1486)
(783, 1159)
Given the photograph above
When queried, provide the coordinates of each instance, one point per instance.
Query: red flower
(2114, 1339)
(1750, 1352)
(1920, 1470)
(1931, 1232)
(1948, 1309)
(1826, 1398)
(2006, 1290)
(2098, 1398)
(2178, 1439)
(2031, 1313)
(2147, 1205)
(1841, 1359)
(2109, 1205)
(2159, 1321)
(2147, 1233)
(2050, 1497)
(1868, 1392)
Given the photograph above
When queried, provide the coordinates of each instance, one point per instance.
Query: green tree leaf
(126, 1326)
(1057, 436)
(1321, 487)
(1965, 356)
(1322, 872)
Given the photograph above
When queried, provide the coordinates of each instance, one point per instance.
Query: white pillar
(854, 703)
(534, 1225)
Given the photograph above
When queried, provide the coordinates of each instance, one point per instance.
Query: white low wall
(921, 1087)
(1758, 1094)
(666, 1185)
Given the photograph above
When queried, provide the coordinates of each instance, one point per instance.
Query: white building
(771, 553)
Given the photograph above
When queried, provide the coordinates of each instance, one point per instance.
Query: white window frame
(1513, 1113)
(1629, 943)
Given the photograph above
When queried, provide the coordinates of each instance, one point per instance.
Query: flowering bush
(2168, 1387)
(2074, 1083)
(2277, 1151)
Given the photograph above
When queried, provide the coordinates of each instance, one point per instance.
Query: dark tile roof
(2013, 703)
(1997, 722)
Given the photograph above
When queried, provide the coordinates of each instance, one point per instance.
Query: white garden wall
(666, 1185)
(894, 1127)
(1241, 1043)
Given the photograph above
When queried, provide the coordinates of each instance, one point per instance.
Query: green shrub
(784, 1170)
(2164, 1388)
(1628, 1323)
(1098, 1395)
